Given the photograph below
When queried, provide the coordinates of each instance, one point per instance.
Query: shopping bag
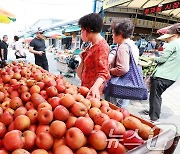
(128, 86)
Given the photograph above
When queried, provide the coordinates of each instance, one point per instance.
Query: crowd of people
(99, 64)
(36, 46)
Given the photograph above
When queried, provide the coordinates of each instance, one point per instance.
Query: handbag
(128, 86)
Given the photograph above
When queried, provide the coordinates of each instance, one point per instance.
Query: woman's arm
(122, 61)
(169, 50)
(102, 71)
(79, 69)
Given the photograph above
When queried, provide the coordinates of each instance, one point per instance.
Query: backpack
(143, 44)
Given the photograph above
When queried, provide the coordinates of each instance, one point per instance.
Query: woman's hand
(94, 92)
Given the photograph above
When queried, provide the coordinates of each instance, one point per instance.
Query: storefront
(146, 24)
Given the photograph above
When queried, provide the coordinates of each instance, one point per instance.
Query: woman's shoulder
(124, 46)
(103, 45)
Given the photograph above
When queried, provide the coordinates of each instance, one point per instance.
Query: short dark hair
(5, 36)
(91, 22)
(16, 38)
(143, 36)
(125, 27)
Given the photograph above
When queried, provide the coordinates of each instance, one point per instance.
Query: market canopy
(6, 17)
(173, 9)
(53, 34)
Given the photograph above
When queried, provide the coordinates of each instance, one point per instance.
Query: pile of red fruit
(41, 113)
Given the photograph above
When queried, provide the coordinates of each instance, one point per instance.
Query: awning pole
(94, 8)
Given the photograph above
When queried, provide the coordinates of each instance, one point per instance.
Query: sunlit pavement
(171, 97)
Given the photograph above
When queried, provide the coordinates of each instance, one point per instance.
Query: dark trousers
(158, 86)
(43, 64)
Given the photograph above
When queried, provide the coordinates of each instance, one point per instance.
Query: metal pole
(102, 15)
(94, 8)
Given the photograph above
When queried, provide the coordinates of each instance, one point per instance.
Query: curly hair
(91, 22)
(125, 27)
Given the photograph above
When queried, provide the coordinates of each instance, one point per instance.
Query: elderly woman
(166, 72)
(93, 69)
(119, 60)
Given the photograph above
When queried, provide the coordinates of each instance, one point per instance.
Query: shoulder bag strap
(131, 55)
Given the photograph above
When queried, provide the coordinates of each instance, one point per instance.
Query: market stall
(43, 113)
(68, 61)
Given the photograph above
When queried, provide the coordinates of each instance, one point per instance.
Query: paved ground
(171, 97)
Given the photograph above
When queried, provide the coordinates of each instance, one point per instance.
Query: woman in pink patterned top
(94, 69)
(119, 59)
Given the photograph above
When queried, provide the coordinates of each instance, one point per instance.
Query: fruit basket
(43, 113)
(161, 139)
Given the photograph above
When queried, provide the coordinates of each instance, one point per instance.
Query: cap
(40, 31)
(165, 36)
(175, 29)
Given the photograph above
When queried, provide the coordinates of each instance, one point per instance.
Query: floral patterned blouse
(95, 64)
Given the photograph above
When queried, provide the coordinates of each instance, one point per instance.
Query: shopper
(166, 72)
(37, 47)
(18, 46)
(119, 60)
(142, 44)
(94, 69)
(4, 48)
(151, 46)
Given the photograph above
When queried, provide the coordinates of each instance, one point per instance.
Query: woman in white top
(19, 53)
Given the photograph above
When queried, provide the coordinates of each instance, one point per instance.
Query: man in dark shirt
(4, 48)
(37, 47)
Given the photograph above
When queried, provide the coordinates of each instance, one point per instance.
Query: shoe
(147, 118)
(155, 121)
(146, 112)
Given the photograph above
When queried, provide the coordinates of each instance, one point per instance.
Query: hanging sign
(163, 7)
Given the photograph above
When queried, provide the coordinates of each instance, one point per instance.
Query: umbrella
(163, 30)
(6, 17)
(53, 34)
(28, 39)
